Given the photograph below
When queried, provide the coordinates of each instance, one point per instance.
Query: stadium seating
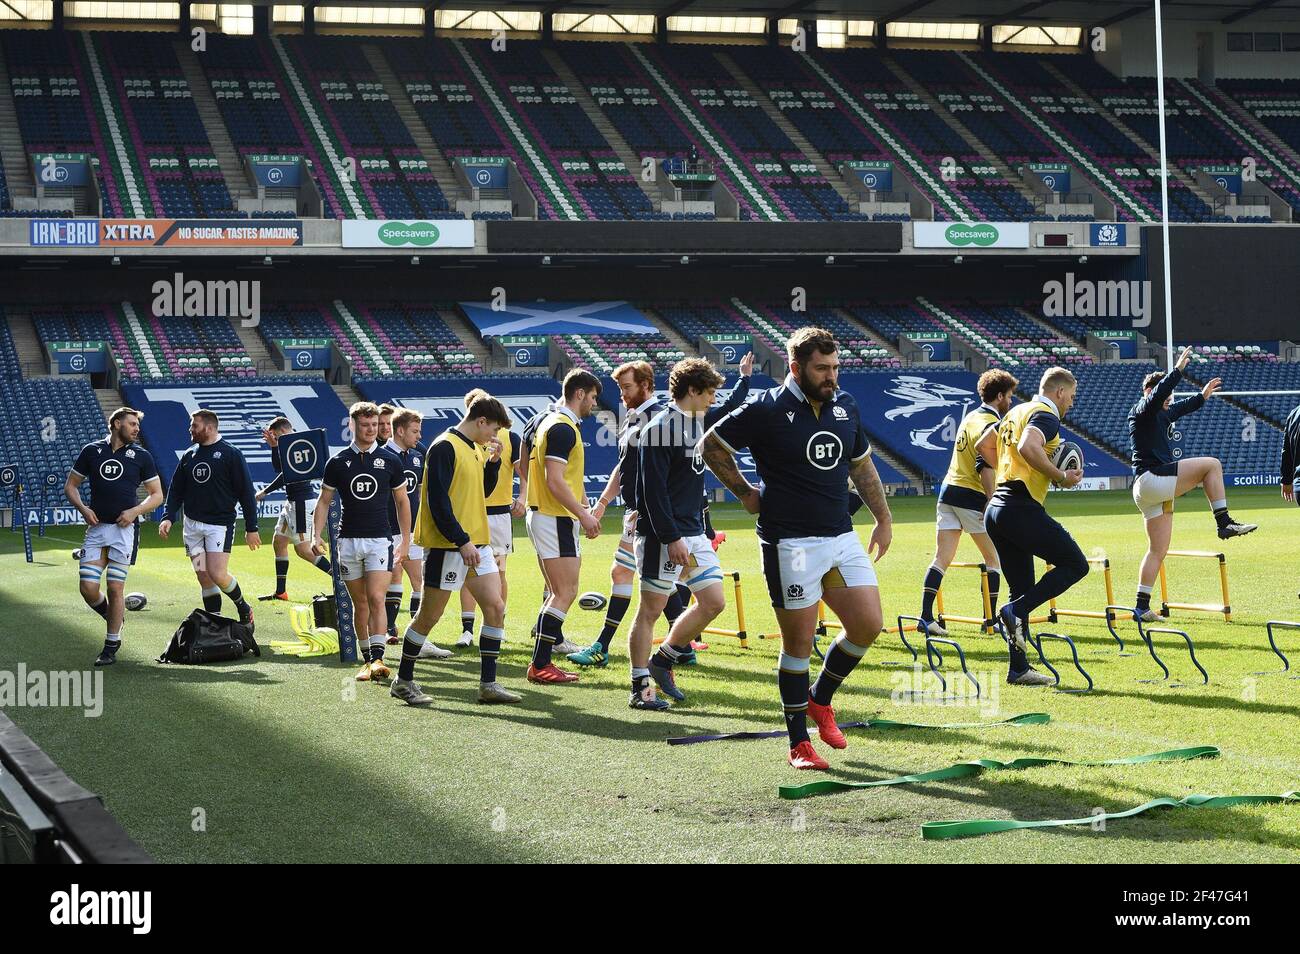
(147, 347)
(603, 353)
(160, 126)
(25, 413)
(1012, 331)
(1249, 368)
(56, 105)
(379, 340)
(1107, 391)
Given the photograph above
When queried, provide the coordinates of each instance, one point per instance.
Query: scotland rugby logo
(794, 592)
(1107, 234)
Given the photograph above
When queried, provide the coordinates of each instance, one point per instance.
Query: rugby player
(210, 479)
(670, 542)
(807, 440)
(1161, 479)
(503, 505)
(365, 477)
(970, 482)
(557, 513)
(1018, 522)
(453, 530)
(115, 468)
(294, 523)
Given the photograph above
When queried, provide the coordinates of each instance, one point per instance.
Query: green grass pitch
(285, 759)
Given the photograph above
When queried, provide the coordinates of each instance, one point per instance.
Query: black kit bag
(325, 611)
(207, 637)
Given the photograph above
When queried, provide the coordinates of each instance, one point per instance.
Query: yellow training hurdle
(739, 602)
(1225, 608)
(985, 622)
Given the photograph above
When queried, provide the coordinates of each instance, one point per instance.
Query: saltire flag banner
(558, 318)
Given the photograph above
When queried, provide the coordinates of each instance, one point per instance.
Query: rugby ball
(592, 601)
(1068, 456)
(78, 553)
(136, 601)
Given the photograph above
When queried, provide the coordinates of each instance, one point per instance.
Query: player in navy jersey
(636, 385)
(115, 468)
(294, 524)
(807, 442)
(366, 477)
(209, 481)
(1161, 479)
(671, 546)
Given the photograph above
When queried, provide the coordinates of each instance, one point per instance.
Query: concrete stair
(949, 117)
(110, 399)
(13, 154)
(31, 355)
(1175, 173)
(468, 336)
(599, 120)
(401, 101)
(875, 335)
(257, 350)
(232, 169)
(347, 394)
(669, 332)
(1248, 129)
(791, 131)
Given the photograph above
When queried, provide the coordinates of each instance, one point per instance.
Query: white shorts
(358, 556)
(501, 531)
(959, 518)
(122, 543)
(799, 569)
(416, 552)
(206, 537)
(625, 552)
(446, 570)
(295, 520)
(553, 537)
(660, 575)
(1152, 493)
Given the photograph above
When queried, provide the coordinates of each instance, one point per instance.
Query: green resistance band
(980, 766)
(937, 830)
(1027, 718)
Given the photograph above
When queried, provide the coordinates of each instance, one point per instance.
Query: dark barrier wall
(843, 237)
(1230, 282)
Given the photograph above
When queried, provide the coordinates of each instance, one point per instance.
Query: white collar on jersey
(393, 446)
(641, 410)
(792, 386)
(365, 450)
(564, 409)
(1049, 402)
(991, 410)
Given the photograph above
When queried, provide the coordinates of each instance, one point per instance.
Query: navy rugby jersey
(1150, 425)
(209, 481)
(364, 481)
(802, 458)
(114, 476)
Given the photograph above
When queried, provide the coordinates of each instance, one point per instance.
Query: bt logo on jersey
(202, 472)
(825, 450)
(111, 469)
(364, 486)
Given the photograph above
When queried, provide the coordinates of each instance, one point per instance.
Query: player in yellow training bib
(557, 512)
(970, 482)
(1019, 524)
(452, 527)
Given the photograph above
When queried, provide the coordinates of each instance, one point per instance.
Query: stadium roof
(1042, 12)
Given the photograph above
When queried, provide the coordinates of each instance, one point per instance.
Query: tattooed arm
(719, 459)
(865, 478)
